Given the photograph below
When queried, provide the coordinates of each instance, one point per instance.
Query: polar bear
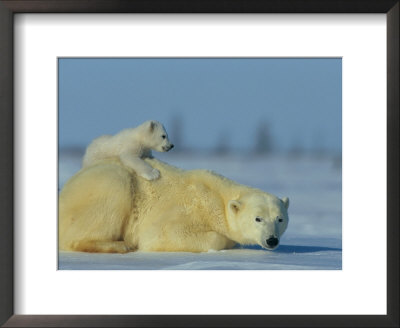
(132, 146)
(107, 208)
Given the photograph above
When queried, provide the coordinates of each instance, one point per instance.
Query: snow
(313, 240)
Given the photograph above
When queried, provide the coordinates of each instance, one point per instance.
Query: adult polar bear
(107, 208)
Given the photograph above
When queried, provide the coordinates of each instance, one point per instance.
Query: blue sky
(299, 100)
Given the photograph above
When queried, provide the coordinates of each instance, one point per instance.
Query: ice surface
(313, 240)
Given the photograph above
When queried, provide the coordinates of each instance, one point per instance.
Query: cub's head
(157, 137)
(258, 218)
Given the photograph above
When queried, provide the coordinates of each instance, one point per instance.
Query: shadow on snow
(293, 249)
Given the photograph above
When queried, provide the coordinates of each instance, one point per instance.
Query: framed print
(62, 58)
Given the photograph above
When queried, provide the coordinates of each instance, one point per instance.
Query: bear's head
(258, 218)
(157, 137)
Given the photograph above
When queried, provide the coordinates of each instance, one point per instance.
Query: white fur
(107, 208)
(131, 146)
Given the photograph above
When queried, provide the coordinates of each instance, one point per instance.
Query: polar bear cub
(131, 146)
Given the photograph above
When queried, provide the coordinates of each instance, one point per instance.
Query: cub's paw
(151, 175)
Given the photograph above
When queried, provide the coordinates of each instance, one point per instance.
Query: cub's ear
(234, 206)
(285, 202)
(152, 125)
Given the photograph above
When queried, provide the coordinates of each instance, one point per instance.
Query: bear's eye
(163, 136)
(280, 219)
(258, 219)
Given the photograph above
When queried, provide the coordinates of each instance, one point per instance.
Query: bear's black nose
(172, 146)
(272, 241)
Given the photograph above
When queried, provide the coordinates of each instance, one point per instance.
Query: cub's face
(158, 138)
(259, 219)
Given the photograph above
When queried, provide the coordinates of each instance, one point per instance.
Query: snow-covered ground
(313, 240)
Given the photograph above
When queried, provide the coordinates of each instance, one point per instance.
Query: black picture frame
(10, 7)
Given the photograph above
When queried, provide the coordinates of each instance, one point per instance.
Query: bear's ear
(234, 206)
(285, 202)
(152, 126)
